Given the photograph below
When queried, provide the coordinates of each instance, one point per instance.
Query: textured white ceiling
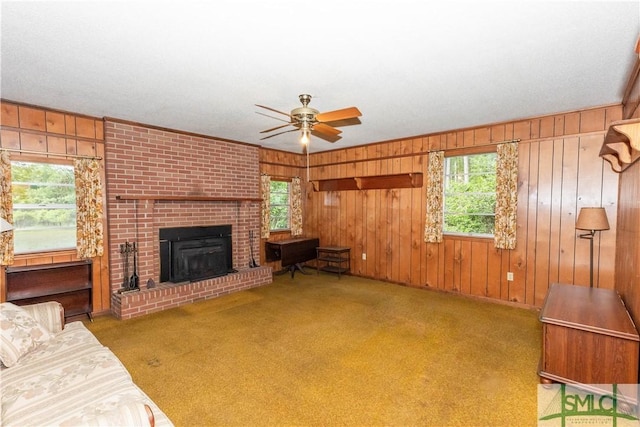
(411, 67)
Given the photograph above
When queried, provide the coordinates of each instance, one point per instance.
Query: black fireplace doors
(195, 253)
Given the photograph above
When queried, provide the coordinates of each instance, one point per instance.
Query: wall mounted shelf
(189, 198)
(402, 180)
(339, 184)
(621, 145)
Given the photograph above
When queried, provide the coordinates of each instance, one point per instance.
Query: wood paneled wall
(46, 131)
(627, 270)
(628, 242)
(559, 172)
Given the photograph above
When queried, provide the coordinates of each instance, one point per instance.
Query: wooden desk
(588, 337)
(292, 252)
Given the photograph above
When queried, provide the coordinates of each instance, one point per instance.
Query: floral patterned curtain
(506, 195)
(89, 208)
(265, 187)
(296, 207)
(434, 221)
(6, 209)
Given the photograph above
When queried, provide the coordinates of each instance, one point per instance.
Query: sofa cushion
(70, 374)
(73, 380)
(19, 333)
(48, 314)
(72, 340)
(127, 414)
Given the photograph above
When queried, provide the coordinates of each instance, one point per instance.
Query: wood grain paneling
(47, 131)
(627, 272)
(559, 172)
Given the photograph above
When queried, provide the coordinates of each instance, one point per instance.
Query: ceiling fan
(310, 121)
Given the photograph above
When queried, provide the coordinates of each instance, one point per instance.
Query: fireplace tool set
(252, 263)
(130, 283)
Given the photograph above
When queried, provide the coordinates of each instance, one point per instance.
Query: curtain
(435, 174)
(6, 209)
(89, 208)
(265, 187)
(506, 195)
(296, 207)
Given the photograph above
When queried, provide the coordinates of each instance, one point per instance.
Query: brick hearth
(168, 295)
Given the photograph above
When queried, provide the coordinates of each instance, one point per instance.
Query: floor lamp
(591, 219)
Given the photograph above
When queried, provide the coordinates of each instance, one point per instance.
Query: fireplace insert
(195, 253)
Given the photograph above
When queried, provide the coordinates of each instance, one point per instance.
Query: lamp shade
(4, 225)
(592, 219)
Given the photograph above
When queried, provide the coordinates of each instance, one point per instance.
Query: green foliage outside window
(279, 201)
(470, 194)
(44, 206)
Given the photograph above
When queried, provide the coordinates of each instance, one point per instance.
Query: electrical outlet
(364, 256)
(510, 276)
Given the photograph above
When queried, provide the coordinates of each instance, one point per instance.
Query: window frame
(49, 161)
(459, 153)
(287, 205)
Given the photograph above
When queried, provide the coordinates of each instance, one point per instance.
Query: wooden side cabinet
(333, 259)
(69, 283)
(588, 337)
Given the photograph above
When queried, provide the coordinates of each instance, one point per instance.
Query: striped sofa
(60, 375)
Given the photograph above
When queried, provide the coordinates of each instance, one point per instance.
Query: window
(470, 194)
(279, 201)
(44, 206)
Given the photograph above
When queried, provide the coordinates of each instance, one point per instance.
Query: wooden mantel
(621, 145)
(187, 198)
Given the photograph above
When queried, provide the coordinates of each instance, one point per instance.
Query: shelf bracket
(621, 147)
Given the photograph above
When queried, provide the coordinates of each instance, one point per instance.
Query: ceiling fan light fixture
(308, 119)
(305, 137)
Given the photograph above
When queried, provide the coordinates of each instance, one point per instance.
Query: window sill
(280, 231)
(471, 237)
(38, 254)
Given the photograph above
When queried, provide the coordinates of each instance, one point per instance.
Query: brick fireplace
(157, 179)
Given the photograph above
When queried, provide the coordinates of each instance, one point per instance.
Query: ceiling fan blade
(347, 122)
(345, 113)
(324, 136)
(326, 129)
(279, 133)
(276, 118)
(273, 109)
(275, 128)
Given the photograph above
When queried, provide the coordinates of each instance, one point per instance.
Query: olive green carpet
(323, 351)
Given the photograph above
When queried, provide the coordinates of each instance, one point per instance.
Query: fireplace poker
(124, 250)
(134, 281)
(253, 263)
